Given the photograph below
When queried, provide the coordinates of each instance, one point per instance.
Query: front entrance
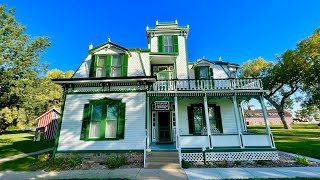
(164, 127)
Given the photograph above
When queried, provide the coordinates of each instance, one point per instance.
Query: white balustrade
(207, 84)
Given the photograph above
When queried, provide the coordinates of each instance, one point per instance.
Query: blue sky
(236, 30)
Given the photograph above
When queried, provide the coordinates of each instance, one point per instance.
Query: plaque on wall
(161, 105)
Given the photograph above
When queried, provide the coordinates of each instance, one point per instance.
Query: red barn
(49, 121)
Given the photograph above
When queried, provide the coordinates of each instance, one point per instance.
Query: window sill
(98, 139)
(164, 53)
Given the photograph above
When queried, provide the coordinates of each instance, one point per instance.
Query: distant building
(255, 116)
(49, 120)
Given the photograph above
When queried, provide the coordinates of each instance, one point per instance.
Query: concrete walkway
(243, 173)
(155, 174)
(10, 158)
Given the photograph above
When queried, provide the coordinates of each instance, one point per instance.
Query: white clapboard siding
(219, 73)
(181, 61)
(146, 63)
(83, 70)
(134, 65)
(134, 123)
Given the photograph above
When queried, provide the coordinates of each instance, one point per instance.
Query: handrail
(207, 84)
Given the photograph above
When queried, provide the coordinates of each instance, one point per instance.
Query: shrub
(302, 160)
(222, 164)
(44, 157)
(238, 163)
(261, 162)
(115, 161)
(185, 164)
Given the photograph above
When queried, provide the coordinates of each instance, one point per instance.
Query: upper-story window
(109, 65)
(168, 44)
(203, 72)
(116, 66)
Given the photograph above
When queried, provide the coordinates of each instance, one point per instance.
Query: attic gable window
(116, 66)
(109, 65)
(203, 72)
(101, 66)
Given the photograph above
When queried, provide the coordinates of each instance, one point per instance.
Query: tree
(282, 79)
(58, 74)
(19, 69)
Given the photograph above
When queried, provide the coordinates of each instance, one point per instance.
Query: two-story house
(153, 100)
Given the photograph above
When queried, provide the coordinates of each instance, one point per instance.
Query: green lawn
(17, 142)
(22, 164)
(302, 139)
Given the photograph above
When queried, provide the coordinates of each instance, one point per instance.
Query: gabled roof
(105, 45)
(52, 109)
(199, 61)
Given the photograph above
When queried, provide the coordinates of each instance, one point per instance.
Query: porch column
(236, 112)
(148, 122)
(243, 116)
(177, 122)
(206, 112)
(242, 119)
(266, 122)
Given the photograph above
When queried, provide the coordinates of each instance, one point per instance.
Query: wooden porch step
(162, 165)
(163, 159)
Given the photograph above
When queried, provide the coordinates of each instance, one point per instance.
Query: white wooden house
(136, 99)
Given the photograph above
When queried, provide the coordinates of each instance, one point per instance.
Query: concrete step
(163, 154)
(162, 165)
(162, 159)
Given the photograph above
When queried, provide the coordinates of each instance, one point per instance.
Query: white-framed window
(96, 117)
(101, 66)
(112, 120)
(168, 44)
(203, 72)
(115, 69)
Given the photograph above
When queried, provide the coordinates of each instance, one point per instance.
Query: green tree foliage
(58, 74)
(24, 94)
(308, 113)
(296, 70)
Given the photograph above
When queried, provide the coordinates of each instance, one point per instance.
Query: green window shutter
(103, 120)
(108, 65)
(125, 65)
(175, 44)
(85, 121)
(121, 120)
(92, 72)
(196, 72)
(218, 118)
(160, 43)
(210, 73)
(190, 120)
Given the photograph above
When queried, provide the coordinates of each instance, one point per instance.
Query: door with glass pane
(198, 118)
(164, 127)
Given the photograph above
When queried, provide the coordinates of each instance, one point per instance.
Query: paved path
(241, 173)
(10, 158)
(172, 174)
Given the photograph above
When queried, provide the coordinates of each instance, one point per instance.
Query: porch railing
(207, 84)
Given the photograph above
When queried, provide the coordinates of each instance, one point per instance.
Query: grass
(18, 141)
(22, 164)
(300, 178)
(301, 139)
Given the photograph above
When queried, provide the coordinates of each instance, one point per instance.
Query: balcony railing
(207, 84)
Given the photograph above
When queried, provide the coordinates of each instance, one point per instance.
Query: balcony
(207, 84)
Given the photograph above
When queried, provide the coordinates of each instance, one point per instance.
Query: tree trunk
(282, 117)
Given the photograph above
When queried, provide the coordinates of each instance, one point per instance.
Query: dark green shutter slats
(125, 65)
(218, 118)
(175, 44)
(108, 65)
(160, 43)
(196, 72)
(85, 121)
(210, 73)
(190, 120)
(121, 121)
(92, 72)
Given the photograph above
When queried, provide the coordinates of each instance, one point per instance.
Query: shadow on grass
(17, 142)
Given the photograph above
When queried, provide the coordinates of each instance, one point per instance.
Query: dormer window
(109, 65)
(116, 66)
(204, 72)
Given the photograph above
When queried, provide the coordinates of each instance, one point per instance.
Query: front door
(164, 127)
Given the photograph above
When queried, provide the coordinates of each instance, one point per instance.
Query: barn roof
(52, 109)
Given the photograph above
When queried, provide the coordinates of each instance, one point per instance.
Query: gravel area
(284, 161)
